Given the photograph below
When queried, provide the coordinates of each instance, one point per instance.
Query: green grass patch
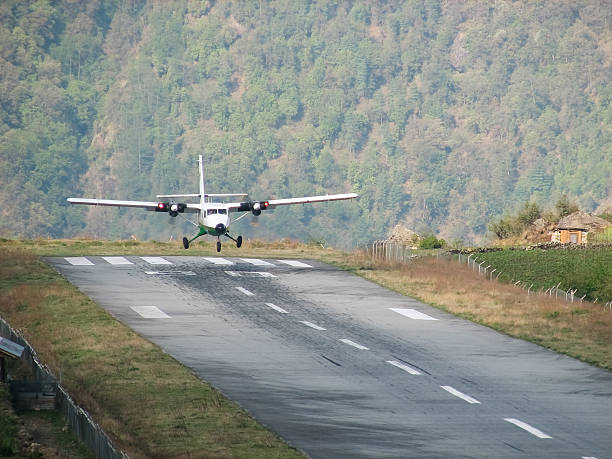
(152, 406)
(587, 270)
(148, 403)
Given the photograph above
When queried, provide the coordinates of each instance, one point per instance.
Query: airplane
(214, 218)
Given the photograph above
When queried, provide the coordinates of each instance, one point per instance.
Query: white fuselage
(212, 215)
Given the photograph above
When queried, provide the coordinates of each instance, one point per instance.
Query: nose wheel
(218, 246)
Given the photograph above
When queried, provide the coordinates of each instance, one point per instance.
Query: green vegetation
(437, 113)
(510, 226)
(431, 242)
(587, 270)
(153, 406)
(9, 445)
(148, 403)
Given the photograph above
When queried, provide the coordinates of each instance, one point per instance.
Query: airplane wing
(148, 205)
(270, 204)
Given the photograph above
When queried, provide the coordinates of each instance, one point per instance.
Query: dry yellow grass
(154, 407)
(581, 330)
(149, 404)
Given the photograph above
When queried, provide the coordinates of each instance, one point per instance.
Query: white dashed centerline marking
(354, 344)
(523, 425)
(311, 325)
(404, 367)
(78, 261)
(461, 395)
(218, 261)
(412, 314)
(245, 291)
(150, 312)
(156, 260)
(257, 262)
(118, 260)
(295, 263)
(277, 308)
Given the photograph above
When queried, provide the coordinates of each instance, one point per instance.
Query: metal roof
(10, 348)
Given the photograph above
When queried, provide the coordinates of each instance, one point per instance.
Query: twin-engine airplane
(213, 217)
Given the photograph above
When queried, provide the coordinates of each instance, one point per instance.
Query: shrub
(431, 242)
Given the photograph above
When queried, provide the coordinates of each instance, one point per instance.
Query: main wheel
(185, 243)
(218, 246)
(239, 241)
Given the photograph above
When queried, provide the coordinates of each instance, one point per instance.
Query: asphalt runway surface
(341, 367)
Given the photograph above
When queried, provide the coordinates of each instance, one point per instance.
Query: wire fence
(396, 252)
(81, 423)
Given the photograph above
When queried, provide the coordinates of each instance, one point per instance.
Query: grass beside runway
(151, 405)
(154, 407)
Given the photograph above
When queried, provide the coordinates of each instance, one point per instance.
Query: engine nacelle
(258, 206)
(174, 208)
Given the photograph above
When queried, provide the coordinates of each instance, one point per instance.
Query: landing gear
(185, 243)
(218, 246)
(238, 241)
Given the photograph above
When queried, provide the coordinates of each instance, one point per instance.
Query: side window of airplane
(211, 211)
(223, 211)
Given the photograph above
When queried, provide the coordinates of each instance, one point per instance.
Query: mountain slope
(442, 114)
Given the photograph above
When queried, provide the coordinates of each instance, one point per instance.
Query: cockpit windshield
(216, 211)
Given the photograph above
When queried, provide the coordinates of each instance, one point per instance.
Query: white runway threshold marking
(78, 261)
(218, 261)
(412, 314)
(311, 325)
(404, 367)
(295, 263)
(156, 260)
(523, 425)
(245, 291)
(257, 262)
(150, 312)
(461, 395)
(171, 273)
(277, 308)
(354, 344)
(118, 260)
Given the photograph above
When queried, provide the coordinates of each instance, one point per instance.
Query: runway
(341, 367)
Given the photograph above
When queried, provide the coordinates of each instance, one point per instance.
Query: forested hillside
(442, 114)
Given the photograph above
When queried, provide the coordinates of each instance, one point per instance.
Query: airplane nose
(220, 228)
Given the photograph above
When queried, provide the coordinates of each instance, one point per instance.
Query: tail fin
(202, 193)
